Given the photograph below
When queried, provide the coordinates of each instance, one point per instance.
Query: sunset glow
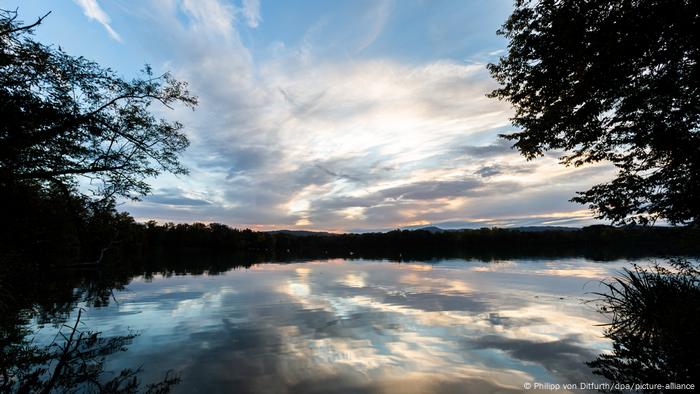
(328, 117)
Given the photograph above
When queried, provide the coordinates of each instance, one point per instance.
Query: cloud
(495, 169)
(209, 16)
(564, 357)
(374, 20)
(251, 12)
(431, 190)
(93, 11)
(175, 197)
(290, 138)
(500, 147)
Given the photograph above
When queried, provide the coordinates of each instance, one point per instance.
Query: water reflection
(363, 326)
(73, 362)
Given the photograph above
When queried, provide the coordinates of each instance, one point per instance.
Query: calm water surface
(363, 326)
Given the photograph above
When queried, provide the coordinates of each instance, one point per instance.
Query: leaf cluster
(610, 81)
(67, 120)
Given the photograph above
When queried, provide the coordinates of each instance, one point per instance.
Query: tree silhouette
(65, 118)
(613, 81)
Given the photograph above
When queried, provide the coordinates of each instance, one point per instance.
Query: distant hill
(536, 229)
(301, 233)
(527, 229)
(438, 230)
(432, 229)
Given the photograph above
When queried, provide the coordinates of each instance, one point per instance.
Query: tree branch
(70, 171)
(28, 27)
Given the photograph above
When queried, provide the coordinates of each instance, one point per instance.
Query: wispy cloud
(92, 10)
(295, 140)
(251, 12)
(210, 17)
(374, 20)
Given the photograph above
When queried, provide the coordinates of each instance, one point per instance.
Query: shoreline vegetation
(654, 314)
(53, 233)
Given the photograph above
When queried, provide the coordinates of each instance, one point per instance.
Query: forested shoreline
(59, 230)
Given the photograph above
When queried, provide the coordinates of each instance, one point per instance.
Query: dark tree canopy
(65, 118)
(611, 81)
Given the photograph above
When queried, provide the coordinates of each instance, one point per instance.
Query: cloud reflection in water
(365, 326)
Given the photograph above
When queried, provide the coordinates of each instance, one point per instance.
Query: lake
(362, 326)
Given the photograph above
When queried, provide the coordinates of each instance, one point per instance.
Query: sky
(342, 116)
